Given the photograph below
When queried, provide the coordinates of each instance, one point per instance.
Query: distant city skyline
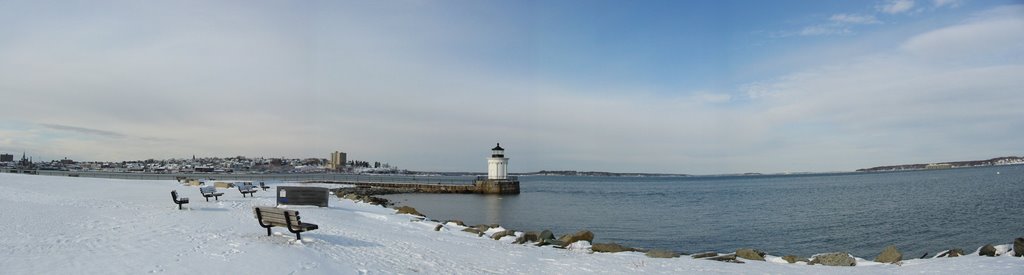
(695, 87)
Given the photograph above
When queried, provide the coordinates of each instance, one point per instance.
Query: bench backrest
(208, 189)
(174, 195)
(245, 188)
(275, 216)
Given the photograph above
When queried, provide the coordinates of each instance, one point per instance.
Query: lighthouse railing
(511, 178)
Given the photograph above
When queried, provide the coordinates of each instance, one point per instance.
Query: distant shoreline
(1010, 160)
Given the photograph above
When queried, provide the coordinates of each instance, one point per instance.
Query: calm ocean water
(861, 213)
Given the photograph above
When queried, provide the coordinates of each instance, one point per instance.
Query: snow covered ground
(58, 225)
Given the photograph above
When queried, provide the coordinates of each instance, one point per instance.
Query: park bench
(264, 186)
(177, 200)
(272, 216)
(246, 189)
(210, 191)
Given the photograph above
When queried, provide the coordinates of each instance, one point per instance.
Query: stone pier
(480, 186)
(494, 186)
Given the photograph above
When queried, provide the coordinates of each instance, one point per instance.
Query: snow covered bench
(272, 216)
(210, 191)
(246, 189)
(264, 186)
(179, 201)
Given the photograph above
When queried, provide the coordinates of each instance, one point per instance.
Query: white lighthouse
(497, 164)
(497, 181)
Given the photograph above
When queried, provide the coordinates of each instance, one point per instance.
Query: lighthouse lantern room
(497, 164)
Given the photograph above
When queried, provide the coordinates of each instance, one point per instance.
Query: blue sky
(648, 86)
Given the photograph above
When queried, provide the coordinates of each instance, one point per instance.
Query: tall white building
(497, 164)
(338, 160)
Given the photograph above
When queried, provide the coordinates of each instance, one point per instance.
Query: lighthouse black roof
(498, 147)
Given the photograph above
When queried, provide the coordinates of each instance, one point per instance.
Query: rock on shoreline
(750, 254)
(658, 253)
(834, 259)
(584, 235)
(346, 193)
(889, 255)
(610, 248)
(409, 210)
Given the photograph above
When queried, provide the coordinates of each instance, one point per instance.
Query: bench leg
(207, 198)
(179, 206)
(268, 231)
(298, 236)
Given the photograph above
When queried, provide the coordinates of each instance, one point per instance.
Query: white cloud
(990, 37)
(908, 104)
(854, 19)
(711, 97)
(896, 6)
(838, 24)
(946, 3)
(824, 30)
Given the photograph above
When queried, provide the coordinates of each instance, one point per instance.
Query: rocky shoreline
(583, 239)
(367, 195)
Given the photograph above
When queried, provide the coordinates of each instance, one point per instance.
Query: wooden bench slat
(276, 215)
(275, 211)
(276, 220)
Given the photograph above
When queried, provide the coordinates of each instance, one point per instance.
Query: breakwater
(479, 186)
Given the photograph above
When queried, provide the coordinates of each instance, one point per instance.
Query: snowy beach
(63, 225)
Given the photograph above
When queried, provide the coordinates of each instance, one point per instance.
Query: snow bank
(57, 225)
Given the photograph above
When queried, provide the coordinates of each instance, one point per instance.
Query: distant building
(312, 162)
(338, 160)
(25, 162)
(938, 166)
(204, 169)
(6, 158)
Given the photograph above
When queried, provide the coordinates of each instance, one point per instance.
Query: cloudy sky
(624, 86)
